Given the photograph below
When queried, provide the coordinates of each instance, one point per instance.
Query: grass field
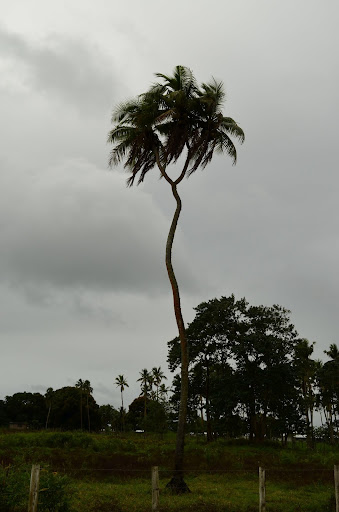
(112, 473)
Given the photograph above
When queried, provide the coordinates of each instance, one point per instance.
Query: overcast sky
(83, 287)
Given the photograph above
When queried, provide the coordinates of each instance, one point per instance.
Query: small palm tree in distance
(49, 398)
(158, 376)
(80, 385)
(146, 386)
(121, 383)
(88, 391)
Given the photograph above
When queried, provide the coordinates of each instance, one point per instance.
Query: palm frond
(174, 115)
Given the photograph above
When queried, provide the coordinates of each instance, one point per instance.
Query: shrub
(54, 495)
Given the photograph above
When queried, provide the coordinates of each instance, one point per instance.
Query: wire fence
(260, 480)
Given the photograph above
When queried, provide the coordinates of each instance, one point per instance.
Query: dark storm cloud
(73, 71)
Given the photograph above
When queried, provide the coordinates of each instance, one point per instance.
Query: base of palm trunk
(178, 485)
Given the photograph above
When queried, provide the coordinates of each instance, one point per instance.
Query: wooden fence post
(34, 488)
(155, 489)
(262, 490)
(336, 487)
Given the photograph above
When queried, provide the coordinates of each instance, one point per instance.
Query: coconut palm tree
(158, 376)
(146, 386)
(121, 383)
(49, 398)
(328, 382)
(174, 117)
(333, 352)
(306, 370)
(88, 391)
(80, 385)
(163, 392)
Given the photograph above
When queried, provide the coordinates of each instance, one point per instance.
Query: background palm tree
(163, 392)
(174, 117)
(88, 391)
(48, 397)
(158, 376)
(121, 383)
(80, 385)
(146, 386)
(328, 384)
(306, 370)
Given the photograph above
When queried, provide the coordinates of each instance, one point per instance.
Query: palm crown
(172, 116)
(121, 382)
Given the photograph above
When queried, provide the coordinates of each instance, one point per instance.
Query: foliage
(66, 412)
(110, 418)
(328, 383)
(26, 408)
(172, 117)
(154, 421)
(4, 419)
(55, 490)
(62, 408)
(241, 367)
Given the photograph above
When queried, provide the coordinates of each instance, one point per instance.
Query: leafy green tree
(26, 408)
(263, 352)
(193, 423)
(174, 117)
(250, 349)
(136, 413)
(65, 413)
(156, 419)
(110, 418)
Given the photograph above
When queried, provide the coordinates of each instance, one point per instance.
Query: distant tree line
(251, 374)
(67, 408)
(74, 408)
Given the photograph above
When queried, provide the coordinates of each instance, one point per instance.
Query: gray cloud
(79, 227)
(65, 68)
(80, 273)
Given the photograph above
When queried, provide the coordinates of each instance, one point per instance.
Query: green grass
(111, 473)
(210, 493)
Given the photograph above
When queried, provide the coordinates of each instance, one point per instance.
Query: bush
(54, 494)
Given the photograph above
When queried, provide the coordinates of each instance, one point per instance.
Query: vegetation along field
(112, 472)
(253, 390)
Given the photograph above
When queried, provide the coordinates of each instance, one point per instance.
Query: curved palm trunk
(177, 483)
